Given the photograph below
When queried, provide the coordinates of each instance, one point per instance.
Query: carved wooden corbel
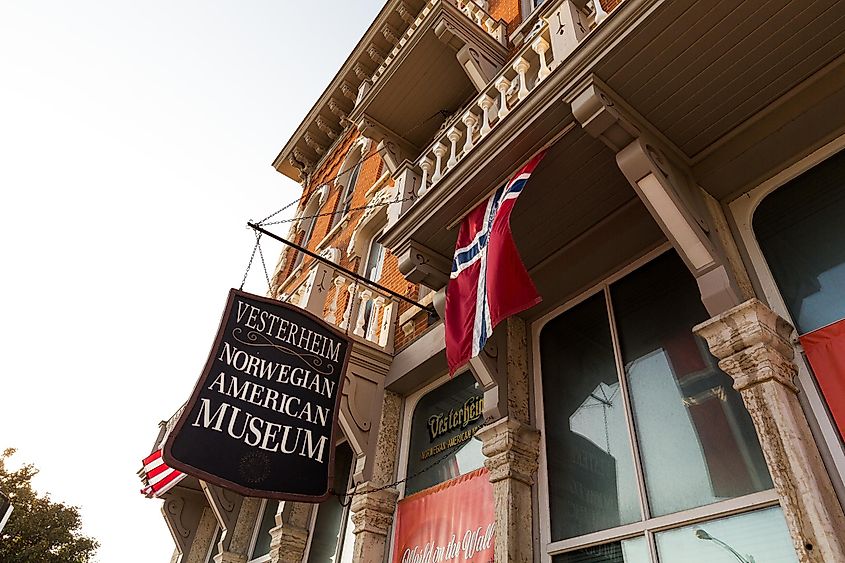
(226, 506)
(420, 264)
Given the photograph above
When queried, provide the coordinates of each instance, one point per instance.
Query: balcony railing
(544, 50)
(362, 312)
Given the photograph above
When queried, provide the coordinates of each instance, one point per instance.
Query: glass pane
(634, 550)
(757, 537)
(799, 228)
(591, 472)
(442, 433)
(268, 521)
(330, 513)
(696, 438)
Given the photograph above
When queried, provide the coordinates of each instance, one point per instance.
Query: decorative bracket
(420, 264)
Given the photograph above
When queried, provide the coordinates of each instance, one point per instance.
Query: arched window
(308, 219)
(348, 177)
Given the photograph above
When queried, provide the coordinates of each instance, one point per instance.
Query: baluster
(347, 313)
(600, 13)
(331, 315)
(470, 121)
(362, 311)
(426, 164)
(386, 325)
(439, 152)
(485, 102)
(540, 46)
(490, 26)
(372, 325)
(521, 66)
(502, 84)
(454, 135)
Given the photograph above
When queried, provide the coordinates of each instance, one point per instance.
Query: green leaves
(39, 530)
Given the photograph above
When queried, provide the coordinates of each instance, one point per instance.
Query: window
(800, 234)
(440, 448)
(306, 236)
(266, 521)
(641, 427)
(347, 182)
(332, 540)
(799, 228)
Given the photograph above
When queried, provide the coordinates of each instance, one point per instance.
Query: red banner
(454, 521)
(825, 348)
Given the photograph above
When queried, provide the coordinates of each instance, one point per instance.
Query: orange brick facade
(287, 278)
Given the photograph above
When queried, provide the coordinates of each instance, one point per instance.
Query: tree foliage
(39, 530)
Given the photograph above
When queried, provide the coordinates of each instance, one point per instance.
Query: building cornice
(298, 157)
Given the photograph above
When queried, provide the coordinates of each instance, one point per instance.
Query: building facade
(677, 396)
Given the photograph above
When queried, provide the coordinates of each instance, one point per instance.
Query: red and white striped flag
(157, 476)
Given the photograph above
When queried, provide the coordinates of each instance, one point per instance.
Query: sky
(136, 140)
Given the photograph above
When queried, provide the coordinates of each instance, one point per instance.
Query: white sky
(135, 141)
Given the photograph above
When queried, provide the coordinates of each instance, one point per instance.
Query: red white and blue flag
(157, 476)
(488, 282)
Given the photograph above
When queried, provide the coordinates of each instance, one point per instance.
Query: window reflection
(757, 537)
(627, 551)
(591, 473)
(696, 439)
(799, 228)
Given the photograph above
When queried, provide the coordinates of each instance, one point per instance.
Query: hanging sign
(454, 521)
(262, 419)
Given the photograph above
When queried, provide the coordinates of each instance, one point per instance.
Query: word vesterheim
(283, 330)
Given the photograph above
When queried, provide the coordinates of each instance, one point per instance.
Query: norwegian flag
(488, 281)
(157, 476)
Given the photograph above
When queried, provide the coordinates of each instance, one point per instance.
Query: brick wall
(285, 282)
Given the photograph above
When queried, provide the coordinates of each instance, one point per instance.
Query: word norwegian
(263, 416)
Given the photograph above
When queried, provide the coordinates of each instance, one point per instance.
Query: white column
(331, 315)
(373, 324)
(471, 122)
(454, 135)
(362, 309)
(540, 46)
(427, 165)
(347, 312)
(439, 152)
(485, 102)
(502, 84)
(521, 66)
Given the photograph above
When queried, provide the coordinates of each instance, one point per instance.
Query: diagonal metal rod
(340, 268)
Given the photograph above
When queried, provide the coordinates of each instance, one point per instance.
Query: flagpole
(340, 268)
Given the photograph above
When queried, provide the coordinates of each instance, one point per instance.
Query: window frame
(212, 548)
(344, 520)
(741, 213)
(254, 540)
(649, 525)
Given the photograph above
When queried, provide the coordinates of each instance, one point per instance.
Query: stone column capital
(753, 345)
(512, 450)
(373, 511)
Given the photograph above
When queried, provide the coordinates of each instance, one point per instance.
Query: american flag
(488, 282)
(157, 476)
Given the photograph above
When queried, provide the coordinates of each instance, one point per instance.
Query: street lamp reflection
(701, 534)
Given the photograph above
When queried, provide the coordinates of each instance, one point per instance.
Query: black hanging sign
(262, 420)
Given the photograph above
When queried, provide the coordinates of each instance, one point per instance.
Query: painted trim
(255, 529)
(742, 211)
